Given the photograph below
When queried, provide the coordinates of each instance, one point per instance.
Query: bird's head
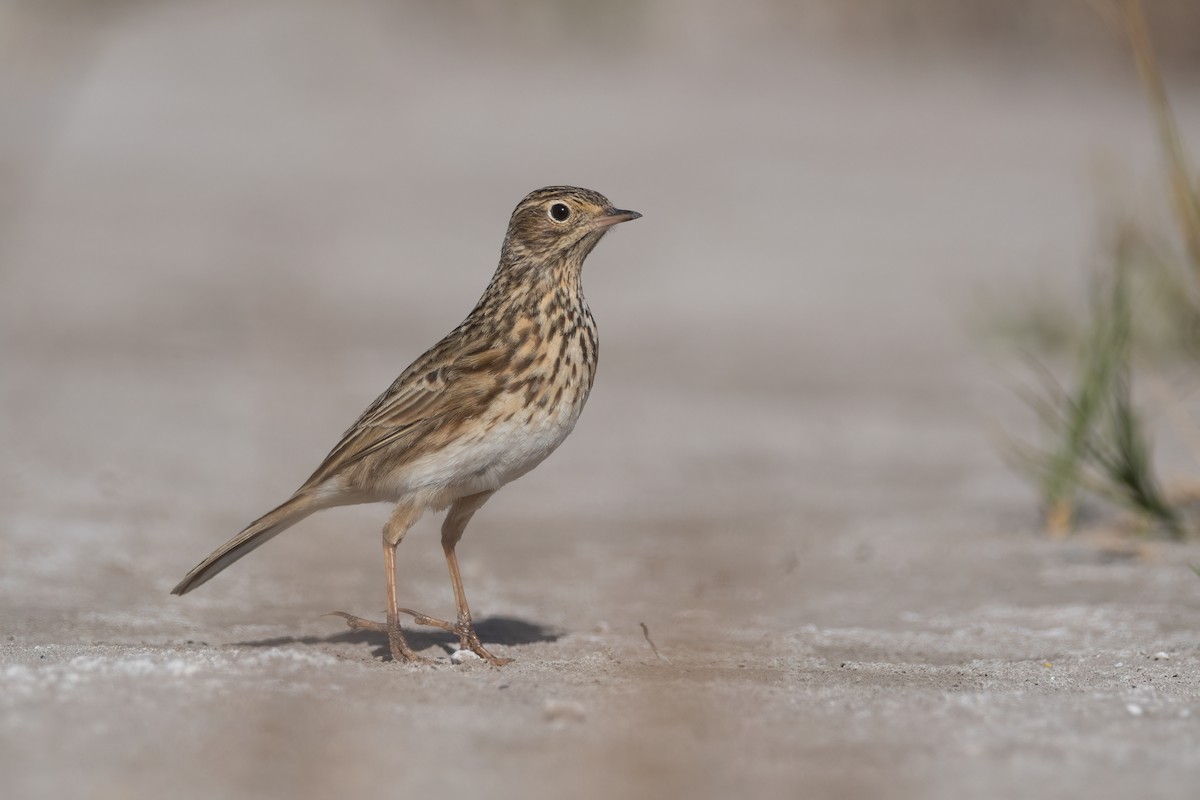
(560, 223)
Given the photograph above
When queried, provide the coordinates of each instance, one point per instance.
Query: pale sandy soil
(234, 227)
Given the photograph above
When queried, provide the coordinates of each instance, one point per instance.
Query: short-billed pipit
(480, 408)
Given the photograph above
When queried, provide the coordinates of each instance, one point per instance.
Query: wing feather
(435, 389)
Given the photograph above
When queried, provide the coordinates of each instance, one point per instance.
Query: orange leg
(452, 530)
(393, 533)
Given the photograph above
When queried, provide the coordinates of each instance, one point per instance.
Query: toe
(358, 623)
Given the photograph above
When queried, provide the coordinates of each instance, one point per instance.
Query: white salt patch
(97, 669)
(179, 668)
(563, 711)
(300, 657)
(17, 672)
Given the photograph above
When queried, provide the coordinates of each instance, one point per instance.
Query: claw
(467, 638)
(401, 652)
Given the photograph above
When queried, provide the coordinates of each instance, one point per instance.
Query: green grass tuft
(1147, 301)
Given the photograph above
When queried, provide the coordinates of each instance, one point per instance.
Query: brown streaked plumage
(479, 409)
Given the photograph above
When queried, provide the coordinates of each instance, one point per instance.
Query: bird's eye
(560, 212)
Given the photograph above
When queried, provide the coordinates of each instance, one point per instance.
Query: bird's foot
(401, 652)
(464, 630)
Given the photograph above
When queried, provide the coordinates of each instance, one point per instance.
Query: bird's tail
(256, 533)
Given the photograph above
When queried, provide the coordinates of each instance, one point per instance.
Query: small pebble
(1161, 656)
(463, 656)
(1134, 710)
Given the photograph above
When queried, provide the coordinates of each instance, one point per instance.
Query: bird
(479, 409)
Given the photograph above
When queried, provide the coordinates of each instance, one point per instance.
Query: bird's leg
(452, 530)
(467, 638)
(393, 533)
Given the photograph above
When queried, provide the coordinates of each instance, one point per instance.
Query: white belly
(493, 455)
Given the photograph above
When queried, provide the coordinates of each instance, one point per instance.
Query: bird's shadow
(491, 630)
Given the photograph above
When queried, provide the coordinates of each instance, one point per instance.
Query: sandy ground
(235, 224)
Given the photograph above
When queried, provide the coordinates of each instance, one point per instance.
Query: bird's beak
(615, 215)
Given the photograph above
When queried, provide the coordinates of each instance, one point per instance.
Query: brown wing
(440, 389)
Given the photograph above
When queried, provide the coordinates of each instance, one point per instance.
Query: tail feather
(257, 533)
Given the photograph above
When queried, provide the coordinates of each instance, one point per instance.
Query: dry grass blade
(1183, 190)
(649, 641)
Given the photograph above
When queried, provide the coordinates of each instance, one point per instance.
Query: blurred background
(226, 226)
